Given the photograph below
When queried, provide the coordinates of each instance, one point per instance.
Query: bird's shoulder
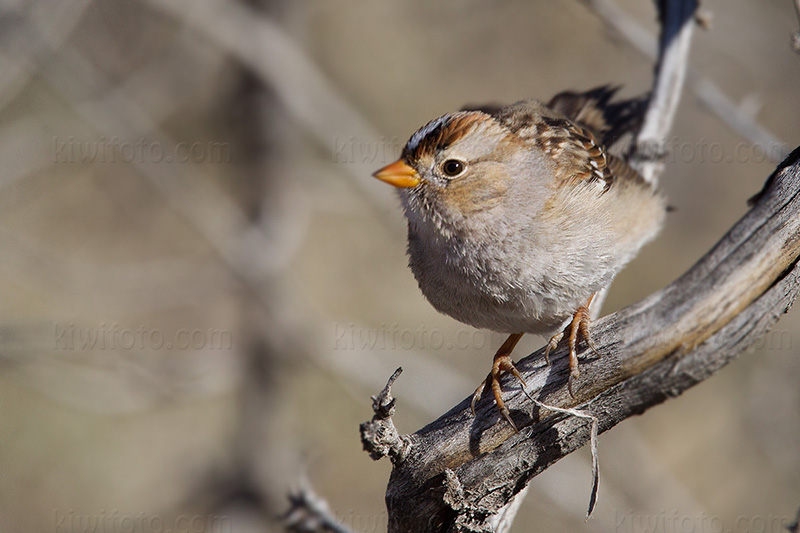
(573, 147)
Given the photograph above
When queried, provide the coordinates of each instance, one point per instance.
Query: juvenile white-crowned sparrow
(518, 216)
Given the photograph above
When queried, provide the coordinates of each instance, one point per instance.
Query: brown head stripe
(441, 132)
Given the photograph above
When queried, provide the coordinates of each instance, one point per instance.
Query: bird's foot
(502, 363)
(580, 324)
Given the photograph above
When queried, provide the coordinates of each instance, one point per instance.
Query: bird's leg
(581, 321)
(502, 363)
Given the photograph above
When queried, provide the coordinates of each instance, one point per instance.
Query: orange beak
(399, 174)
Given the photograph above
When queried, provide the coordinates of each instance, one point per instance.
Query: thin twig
(595, 425)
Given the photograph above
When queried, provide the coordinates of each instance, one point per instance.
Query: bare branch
(651, 351)
(705, 90)
(673, 59)
(379, 436)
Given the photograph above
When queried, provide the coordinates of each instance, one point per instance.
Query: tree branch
(651, 351)
(676, 37)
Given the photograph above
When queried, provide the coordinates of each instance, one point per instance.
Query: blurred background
(202, 285)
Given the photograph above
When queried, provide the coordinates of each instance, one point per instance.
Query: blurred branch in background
(36, 29)
(131, 112)
(281, 65)
(310, 513)
(252, 257)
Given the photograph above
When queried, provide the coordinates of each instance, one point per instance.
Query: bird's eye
(452, 167)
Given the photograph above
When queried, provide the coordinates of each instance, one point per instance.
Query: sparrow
(519, 215)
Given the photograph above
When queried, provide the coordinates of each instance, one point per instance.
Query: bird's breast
(493, 284)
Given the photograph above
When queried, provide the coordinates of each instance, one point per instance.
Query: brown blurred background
(202, 286)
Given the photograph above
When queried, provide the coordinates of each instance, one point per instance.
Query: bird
(519, 216)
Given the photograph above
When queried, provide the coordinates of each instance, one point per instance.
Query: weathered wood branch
(676, 18)
(456, 473)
